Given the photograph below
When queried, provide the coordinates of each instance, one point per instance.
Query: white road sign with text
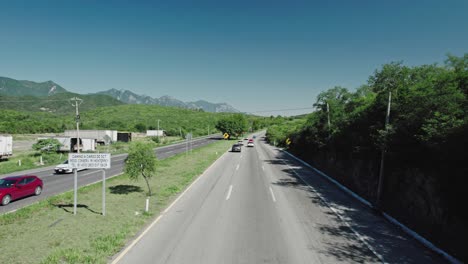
(90, 160)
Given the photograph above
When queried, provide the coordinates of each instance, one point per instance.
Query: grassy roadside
(48, 232)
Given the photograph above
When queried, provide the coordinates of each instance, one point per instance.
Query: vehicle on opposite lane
(16, 187)
(65, 167)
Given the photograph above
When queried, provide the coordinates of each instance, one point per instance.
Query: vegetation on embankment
(425, 162)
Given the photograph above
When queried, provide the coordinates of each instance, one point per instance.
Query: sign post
(103, 192)
(90, 161)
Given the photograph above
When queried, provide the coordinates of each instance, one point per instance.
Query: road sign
(90, 160)
(226, 135)
(288, 141)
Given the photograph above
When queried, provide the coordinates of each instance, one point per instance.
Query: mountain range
(20, 88)
(129, 97)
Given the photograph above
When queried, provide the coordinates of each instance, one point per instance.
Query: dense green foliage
(234, 125)
(47, 145)
(281, 128)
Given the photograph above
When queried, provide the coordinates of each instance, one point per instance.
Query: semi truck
(68, 144)
(6, 146)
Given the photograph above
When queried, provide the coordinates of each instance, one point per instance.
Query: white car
(65, 168)
(250, 144)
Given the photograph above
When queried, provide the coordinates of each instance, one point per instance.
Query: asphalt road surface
(261, 206)
(59, 183)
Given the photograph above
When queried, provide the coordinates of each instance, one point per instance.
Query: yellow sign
(226, 135)
(288, 141)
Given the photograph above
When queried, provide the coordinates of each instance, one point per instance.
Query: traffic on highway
(262, 206)
(59, 179)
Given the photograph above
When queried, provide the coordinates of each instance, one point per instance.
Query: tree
(141, 160)
(233, 125)
(140, 127)
(47, 145)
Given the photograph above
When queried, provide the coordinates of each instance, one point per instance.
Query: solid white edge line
(406, 229)
(422, 240)
(134, 242)
(361, 238)
(229, 193)
(272, 195)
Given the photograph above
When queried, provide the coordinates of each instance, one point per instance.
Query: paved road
(59, 183)
(261, 206)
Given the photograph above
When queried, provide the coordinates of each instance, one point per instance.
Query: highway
(262, 206)
(59, 183)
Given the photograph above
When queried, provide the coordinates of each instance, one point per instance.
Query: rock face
(129, 97)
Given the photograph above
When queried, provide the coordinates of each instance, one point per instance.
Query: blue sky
(254, 55)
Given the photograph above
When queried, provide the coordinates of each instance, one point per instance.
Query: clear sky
(254, 55)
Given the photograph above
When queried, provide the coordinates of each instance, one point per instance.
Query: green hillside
(142, 117)
(12, 87)
(133, 118)
(57, 103)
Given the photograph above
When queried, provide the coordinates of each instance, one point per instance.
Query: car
(240, 142)
(250, 140)
(236, 148)
(250, 144)
(16, 187)
(65, 168)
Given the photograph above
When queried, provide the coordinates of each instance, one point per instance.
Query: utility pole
(382, 158)
(78, 101)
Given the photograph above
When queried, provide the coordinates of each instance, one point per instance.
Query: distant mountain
(129, 97)
(12, 87)
(26, 95)
(57, 103)
(210, 107)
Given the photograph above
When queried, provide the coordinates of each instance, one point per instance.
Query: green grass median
(48, 232)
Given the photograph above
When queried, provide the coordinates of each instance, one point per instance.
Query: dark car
(15, 187)
(236, 148)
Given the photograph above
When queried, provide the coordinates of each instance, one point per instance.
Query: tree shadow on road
(348, 219)
(125, 189)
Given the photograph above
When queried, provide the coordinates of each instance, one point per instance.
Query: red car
(15, 187)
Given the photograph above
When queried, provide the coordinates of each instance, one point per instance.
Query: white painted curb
(392, 220)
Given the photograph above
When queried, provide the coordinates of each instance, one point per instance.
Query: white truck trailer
(68, 144)
(102, 137)
(155, 133)
(6, 146)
